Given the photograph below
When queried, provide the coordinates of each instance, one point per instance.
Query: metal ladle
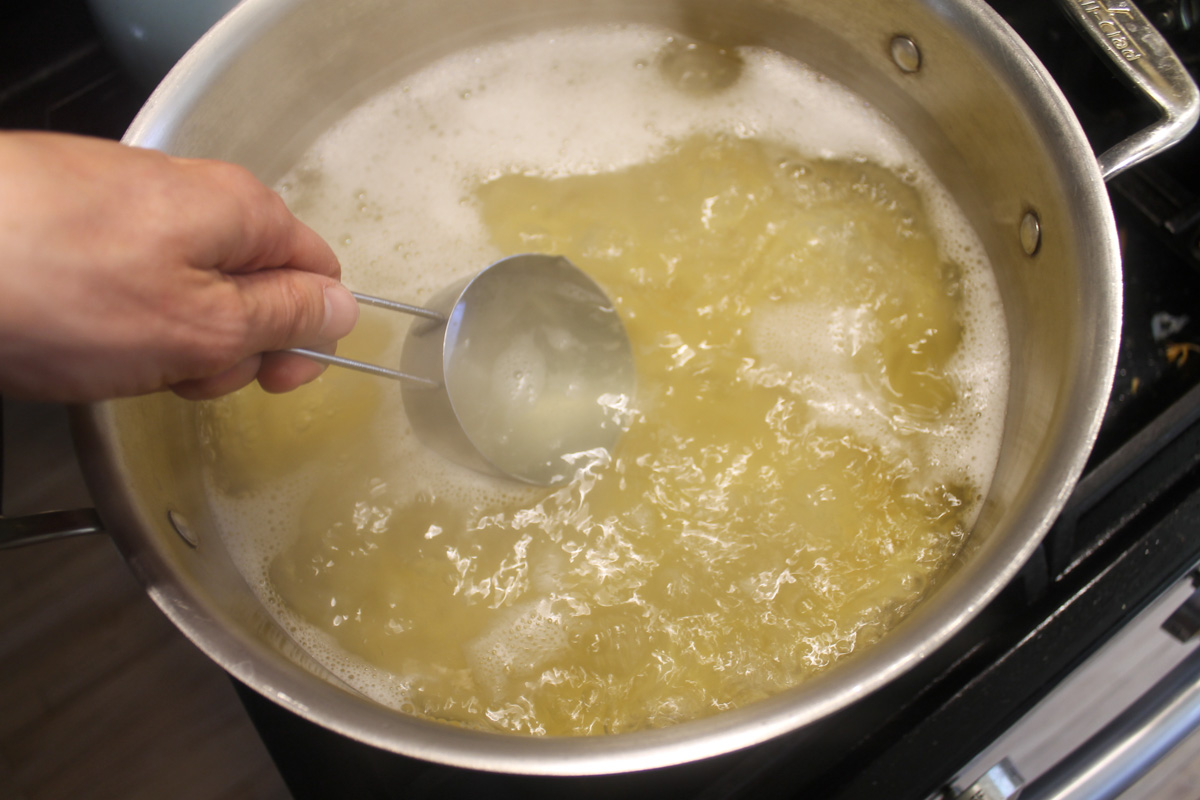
(522, 370)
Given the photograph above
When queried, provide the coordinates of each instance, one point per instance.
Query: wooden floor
(100, 696)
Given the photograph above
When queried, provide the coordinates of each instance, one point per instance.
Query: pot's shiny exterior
(274, 73)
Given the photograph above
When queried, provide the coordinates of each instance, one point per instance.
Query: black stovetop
(1128, 532)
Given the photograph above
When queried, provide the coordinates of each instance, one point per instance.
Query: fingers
(236, 377)
(309, 251)
(289, 308)
(287, 275)
(275, 372)
(283, 372)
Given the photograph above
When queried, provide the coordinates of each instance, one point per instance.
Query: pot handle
(1141, 53)
(18, 531)
(36, 528)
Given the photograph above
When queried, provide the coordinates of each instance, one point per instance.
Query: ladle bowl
(522, 370)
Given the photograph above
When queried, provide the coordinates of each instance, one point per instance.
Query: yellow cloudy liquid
(792, 481)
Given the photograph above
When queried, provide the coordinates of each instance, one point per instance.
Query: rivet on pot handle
(1141, 53)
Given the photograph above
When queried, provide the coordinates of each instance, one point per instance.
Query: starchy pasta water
(822, 372)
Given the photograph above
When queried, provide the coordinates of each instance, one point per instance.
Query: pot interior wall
(275, 75)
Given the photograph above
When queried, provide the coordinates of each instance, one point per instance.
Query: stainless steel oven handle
(1141, 53)
(1106, 765)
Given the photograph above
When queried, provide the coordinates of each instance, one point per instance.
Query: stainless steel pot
(984, 114)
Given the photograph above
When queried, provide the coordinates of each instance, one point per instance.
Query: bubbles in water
(590, 106)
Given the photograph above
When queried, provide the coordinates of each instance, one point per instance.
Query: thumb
(295, 308)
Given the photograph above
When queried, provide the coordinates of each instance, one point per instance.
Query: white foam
(521, 642)
(543, 107)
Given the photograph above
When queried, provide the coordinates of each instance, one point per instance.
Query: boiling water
(822, 368)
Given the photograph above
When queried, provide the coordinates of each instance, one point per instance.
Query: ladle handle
(362, 366)
(403, 308)
(375, 369)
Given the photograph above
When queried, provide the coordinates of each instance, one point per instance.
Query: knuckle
(234, 176)
(285, 312)
(303, 315)
(217, 339)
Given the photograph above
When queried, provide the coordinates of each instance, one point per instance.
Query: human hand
(126, 271)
